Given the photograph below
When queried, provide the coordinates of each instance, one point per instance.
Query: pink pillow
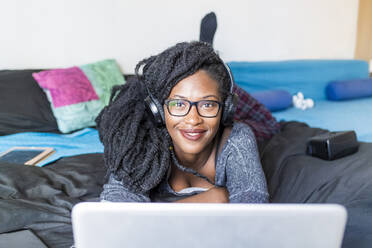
(66, 86)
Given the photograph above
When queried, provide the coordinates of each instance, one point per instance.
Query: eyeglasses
(181, 107)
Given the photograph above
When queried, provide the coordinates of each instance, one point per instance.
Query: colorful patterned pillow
(78, 94)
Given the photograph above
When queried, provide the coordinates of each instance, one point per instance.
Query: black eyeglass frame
(166, 102)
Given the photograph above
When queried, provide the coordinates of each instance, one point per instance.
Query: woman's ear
(229, 108)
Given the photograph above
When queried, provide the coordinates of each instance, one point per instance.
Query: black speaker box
(333, 145)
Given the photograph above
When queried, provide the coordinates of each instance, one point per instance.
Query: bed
(40, 198)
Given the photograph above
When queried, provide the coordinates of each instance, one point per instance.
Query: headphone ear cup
(229, 109)
(155, 109)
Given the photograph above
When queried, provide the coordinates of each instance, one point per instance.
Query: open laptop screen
(169, 225)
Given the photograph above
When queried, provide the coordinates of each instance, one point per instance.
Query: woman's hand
(212, 195)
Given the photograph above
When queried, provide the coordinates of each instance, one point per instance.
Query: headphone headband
(231, 78)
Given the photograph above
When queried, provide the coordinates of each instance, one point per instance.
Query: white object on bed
(168, 225)
(301, 103)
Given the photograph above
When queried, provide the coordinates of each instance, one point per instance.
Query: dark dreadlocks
(135, 150)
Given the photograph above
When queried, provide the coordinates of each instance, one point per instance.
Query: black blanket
(294, 177)
(41, 199)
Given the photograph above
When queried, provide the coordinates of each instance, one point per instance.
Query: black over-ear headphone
(156, 108)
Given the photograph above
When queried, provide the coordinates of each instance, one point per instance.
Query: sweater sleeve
(244, 175)
(115, 191)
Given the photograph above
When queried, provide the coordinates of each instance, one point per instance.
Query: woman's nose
(193, 116)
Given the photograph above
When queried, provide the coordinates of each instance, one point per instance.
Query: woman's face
(192, 133)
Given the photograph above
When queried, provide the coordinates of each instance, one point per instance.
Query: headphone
(229, 107)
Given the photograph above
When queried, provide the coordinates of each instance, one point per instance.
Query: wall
(52, 33)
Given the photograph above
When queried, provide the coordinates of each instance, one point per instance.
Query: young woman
(169, 136)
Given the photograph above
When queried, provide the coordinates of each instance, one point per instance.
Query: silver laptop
(169, 225)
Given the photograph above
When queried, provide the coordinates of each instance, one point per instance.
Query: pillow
(66, 86)
(274, 100)
(23, 105)
(78, 94)
(350, 89)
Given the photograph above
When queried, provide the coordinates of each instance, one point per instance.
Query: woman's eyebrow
(210, 96)
(179, 96)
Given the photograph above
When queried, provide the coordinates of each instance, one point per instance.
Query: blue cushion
(307, 76)
(350, 89)
(274, 100)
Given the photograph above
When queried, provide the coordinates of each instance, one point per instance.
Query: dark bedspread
(294, 177)
(41, 199)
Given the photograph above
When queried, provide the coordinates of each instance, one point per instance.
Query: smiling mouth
(192, 135)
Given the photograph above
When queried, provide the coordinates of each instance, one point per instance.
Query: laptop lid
(168, 225)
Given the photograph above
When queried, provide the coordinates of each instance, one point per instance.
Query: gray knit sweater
(238, 168)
